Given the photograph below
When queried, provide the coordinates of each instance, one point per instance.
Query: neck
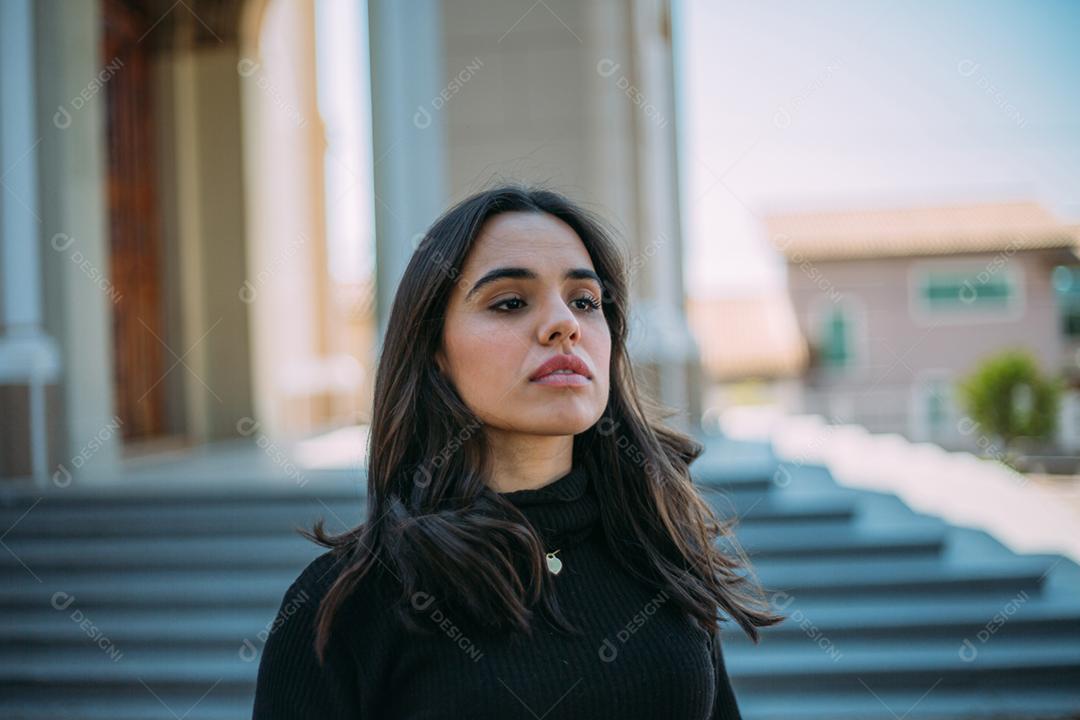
(527, 462)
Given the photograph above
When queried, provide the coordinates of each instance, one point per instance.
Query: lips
(562, 362)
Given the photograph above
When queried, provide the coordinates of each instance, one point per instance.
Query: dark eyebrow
(527, 274)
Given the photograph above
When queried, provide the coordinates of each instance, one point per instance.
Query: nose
(559, 324)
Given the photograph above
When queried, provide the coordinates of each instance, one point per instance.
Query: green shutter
(835, 339)
(936, 412)
(1066, 282)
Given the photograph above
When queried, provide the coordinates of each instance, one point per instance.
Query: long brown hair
(433, 518)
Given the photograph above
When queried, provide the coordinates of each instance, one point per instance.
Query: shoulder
(312, 585)
(296, 620)
(317, 577)
(292, 681)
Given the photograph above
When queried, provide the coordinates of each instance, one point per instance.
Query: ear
(440, 361)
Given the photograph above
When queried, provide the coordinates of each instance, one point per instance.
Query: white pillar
(664, 340)
(27, 355)
(18, 165)
(408, 134)
(74, 237)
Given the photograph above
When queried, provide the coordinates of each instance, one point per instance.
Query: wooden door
(141, 360)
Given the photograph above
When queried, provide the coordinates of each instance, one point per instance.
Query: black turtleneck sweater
(640, 657)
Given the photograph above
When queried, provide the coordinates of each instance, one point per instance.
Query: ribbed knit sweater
(640, 657)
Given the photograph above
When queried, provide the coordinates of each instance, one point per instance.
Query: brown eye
(591, 303)
(497, 307)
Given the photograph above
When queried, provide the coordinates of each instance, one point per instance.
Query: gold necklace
(554, 564)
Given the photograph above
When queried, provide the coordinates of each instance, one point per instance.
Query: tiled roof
(988, 227)
(747, 336)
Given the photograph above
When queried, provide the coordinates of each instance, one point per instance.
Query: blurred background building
(215, 262)
(886, 309)
(841, 222)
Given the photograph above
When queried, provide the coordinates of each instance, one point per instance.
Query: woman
(533, 545)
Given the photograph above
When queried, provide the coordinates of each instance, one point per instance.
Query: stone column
(408, 134)
(28, 357)
(661, 340)
(74, 234)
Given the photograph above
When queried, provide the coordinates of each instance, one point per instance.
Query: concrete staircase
(891, 614)
(137, 606)
(124, 606)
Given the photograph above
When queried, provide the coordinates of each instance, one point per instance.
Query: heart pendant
(554, 564)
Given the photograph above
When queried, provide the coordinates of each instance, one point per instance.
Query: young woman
(533, 546)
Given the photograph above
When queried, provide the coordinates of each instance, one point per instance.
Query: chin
(546, 420)
(568, 421)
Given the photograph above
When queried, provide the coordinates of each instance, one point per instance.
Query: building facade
(898, 305)
(173, 186)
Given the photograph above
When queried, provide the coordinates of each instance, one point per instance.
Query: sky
(835, 105)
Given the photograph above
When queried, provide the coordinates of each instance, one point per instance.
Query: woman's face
(526, 294)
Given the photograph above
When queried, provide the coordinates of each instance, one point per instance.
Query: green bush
(1009, 398)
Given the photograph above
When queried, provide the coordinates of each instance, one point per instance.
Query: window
(967, 290)
(836, 339)
(934, 413)
(836, 331)
(1066, 282)
(937, 408)
(951, 290)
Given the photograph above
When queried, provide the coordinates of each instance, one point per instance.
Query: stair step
(842, 666)
(57, 629)
(283, 551)
(755, 484)
(91, 666)
(257, 591)
(1000, 662)
(776, 510)
(328, 486)
(1020, 615)
(929, 703)
(156, 705)
(840, 578)
(762, 542)
(260, 517)
(280, 552)
(91, 678)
